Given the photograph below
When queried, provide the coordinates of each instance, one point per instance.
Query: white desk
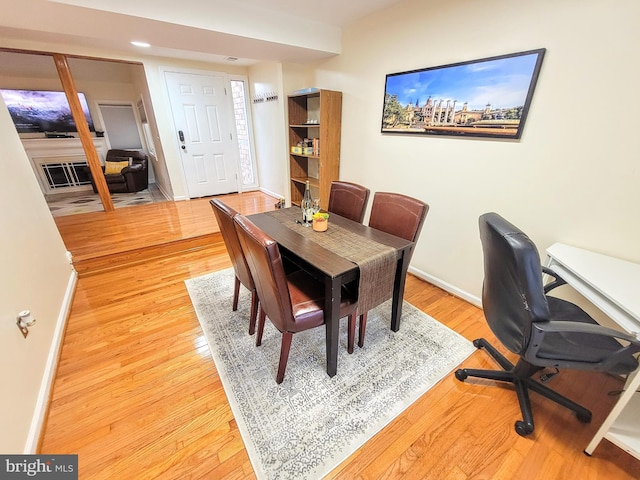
(613, 286)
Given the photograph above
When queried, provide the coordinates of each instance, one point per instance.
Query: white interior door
(203, 119)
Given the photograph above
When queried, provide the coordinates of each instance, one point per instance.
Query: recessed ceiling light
(232, 59)
(141, 44)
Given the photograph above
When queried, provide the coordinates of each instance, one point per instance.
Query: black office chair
(543, 330)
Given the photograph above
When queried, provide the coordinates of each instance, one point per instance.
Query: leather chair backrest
(512, 292)
(265, 264)
(398, 215)
(224, 216)
(348, 200)
(118, 155)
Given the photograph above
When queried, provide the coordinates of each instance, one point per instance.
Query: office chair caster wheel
(461, 375)
(584, 418)
(523, 429)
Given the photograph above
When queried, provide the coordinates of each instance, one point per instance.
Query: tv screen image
(34, 111)
(489, 97)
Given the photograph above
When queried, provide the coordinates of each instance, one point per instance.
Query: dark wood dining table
(333, 269)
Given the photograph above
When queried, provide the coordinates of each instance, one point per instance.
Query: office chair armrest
(540, 329)
(611, 363)
(558, 280)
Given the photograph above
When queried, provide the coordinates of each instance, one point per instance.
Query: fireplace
(60, 163)
(66, 174)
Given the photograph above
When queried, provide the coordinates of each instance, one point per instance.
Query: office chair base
(520, 376)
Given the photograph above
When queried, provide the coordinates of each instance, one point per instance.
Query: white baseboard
(164, 193)
(42, 403)
(179, 198)
(472, 299)
(271, 194)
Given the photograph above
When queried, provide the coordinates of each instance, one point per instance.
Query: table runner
(377, 262)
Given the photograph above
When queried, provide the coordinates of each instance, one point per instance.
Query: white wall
(270, 129)
(36, 275)
(573, 176)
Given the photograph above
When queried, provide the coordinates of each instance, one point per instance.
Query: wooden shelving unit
(314, 116)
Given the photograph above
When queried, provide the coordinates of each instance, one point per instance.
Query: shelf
(625, 431)
(315, 118)
(313, 182)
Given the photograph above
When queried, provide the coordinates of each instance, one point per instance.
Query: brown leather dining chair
(348, 200)
(224, 216)
(398, 215)
(293, 302)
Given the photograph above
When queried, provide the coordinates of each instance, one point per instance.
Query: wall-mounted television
(34, 111)
(489, 97)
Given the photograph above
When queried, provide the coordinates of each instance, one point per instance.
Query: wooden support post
(71, 92)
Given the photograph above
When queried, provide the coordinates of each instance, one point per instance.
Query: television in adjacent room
(34, 111)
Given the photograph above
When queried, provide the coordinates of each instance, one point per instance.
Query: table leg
(332, 293)
(398, 290)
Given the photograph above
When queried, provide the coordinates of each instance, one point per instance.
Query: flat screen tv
(489, 97)
(35, 111)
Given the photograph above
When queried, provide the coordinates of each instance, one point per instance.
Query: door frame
(252, 145)
(175, 142)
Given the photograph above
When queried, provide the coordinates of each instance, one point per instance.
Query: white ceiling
(296, 31)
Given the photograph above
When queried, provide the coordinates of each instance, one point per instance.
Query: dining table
(346, 252)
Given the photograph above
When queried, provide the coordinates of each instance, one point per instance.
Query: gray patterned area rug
(306, 426)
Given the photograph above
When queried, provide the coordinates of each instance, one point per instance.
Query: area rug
(310, 423)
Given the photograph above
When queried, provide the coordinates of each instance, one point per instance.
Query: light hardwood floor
(137, 395)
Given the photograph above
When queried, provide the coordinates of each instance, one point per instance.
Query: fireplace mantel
(59, 163)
